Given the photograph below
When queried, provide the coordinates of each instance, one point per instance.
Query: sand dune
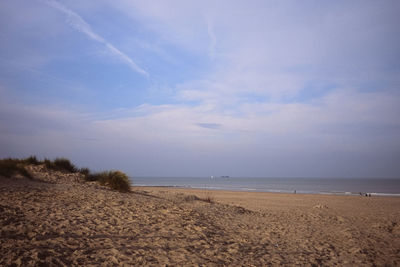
(57, 219)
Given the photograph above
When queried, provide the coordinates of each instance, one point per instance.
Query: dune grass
(60, 164)
(116, 180)
(190, 198)
(84, 171)
(10, 167)
(208, 199)
(32, 160)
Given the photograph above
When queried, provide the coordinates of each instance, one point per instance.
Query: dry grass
(61, 164)
(10, 167)
(116, 180)
(208, 198)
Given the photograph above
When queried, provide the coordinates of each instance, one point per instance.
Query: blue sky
(199, 88)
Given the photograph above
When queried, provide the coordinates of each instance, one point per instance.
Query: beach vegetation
(100, 177)
(47, 163)
(84, 171)
(65, 165)
(189, 198)
(60, 164)
(119, 181)
(32, 160)
(208, 198)
(10, 167)
(116, 180)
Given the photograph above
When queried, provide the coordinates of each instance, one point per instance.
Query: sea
(334, 186)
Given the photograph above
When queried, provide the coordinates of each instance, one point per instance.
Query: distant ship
(223, 176)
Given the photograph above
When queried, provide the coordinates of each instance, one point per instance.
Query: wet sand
(58, 219)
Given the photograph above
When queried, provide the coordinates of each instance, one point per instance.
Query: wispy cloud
(78, 23)
(213, 38)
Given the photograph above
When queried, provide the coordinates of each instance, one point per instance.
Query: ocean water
(342, 186)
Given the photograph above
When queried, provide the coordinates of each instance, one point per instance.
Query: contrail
(82, 26)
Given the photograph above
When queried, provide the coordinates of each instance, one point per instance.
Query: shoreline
(300, 192)
(258, 201)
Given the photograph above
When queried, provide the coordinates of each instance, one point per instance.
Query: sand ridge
(60, 220)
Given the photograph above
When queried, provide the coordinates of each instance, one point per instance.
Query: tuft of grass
(100, 177)
(32, 160)
(119, 181)
(64, 164)
(48, 164)
(208, 198)
(10, 167)
(84, 171)
(189, 198)
(60, 164)
(116, 180)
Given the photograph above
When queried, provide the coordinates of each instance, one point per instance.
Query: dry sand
(57, 219)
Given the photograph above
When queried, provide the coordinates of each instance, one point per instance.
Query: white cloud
(172, 139)
(349, 115)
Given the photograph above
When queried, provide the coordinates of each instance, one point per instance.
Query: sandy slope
(67, 222)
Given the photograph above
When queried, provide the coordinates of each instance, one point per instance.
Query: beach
(58, 219)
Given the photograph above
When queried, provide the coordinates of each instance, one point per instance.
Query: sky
(200, 88)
